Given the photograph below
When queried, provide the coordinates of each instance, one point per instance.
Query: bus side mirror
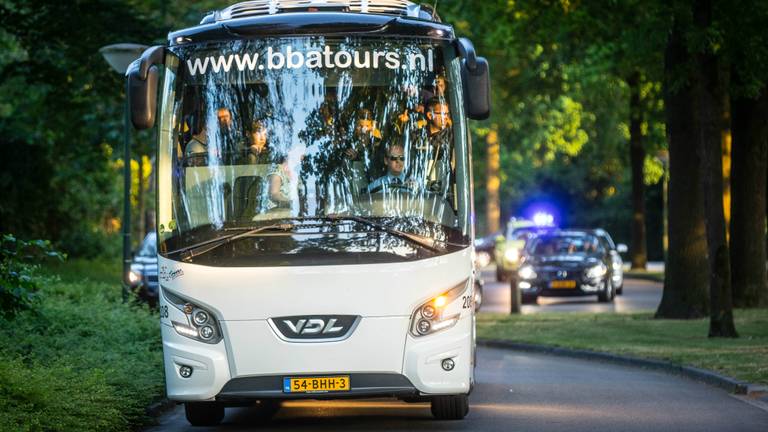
(476, 80)
(143, 77)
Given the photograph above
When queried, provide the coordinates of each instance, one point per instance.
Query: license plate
(563, 284)
(316, 384)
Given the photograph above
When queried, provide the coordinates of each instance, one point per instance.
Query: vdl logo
(314, 327)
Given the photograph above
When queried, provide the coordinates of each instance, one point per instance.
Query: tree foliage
(19, 260)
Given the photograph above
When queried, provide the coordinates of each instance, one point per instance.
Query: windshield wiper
(425, 242)
(201, 248)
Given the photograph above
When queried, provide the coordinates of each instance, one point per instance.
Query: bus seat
(246, 197)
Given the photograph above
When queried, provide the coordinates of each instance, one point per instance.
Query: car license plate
(560, 284)
(316, 384)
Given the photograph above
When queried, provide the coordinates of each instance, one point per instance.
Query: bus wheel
(452, 407)
(204, 413)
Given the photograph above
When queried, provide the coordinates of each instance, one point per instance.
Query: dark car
(484, 249)
(143, 273)
(570, 263)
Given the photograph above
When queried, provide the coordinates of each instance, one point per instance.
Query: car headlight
(482, 259)
(201, 325)
(134, 277)
(527, 272)
(597, 271)
(512, 254)
(439, 313)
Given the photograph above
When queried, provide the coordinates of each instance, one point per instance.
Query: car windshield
(256, 132)
(564, 245)
(523, 234)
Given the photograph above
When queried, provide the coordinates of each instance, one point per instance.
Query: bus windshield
(338, 140)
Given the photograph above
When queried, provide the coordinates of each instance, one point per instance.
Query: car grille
(559, 274)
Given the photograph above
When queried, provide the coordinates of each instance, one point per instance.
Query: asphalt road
(520, 392)
(639, 295)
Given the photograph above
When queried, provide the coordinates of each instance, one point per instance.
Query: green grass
(81, 360)
(638, 334)
(644, 274)
(105, 270)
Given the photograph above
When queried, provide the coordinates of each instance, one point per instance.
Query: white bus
(314, 204)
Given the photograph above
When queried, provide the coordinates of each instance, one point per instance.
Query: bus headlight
(200, 316)
(439, 313)
(201, 324)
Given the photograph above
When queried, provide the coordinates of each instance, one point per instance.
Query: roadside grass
(682, 342)
(82, 359)
(644, 274)
(105, 270)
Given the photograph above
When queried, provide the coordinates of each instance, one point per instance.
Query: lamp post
(119, 57)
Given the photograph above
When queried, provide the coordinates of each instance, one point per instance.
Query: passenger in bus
(279, 184)
(437, 90)
(439, 119)
(230, 140)
(439, 131)
(258, 151)
(281, 180)
(395, 176)
(224, 116)
(366, 137)
(196, 150)
(440, 143)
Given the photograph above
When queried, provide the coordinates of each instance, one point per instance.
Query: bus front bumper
(384, 360)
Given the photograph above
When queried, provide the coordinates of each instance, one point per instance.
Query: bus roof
(263, 18)
(273, 7)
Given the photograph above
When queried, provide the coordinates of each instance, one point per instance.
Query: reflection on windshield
(260, 137)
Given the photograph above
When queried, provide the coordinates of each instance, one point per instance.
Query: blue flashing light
(543, 219)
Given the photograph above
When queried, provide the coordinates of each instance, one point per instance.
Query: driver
(395, 176)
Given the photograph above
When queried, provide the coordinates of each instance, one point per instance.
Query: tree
(708, 92)
(746, 46)
(685, 284)
(750, 168)
(64, 117)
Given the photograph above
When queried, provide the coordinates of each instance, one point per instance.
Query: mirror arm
(467, 52)
(151, 56)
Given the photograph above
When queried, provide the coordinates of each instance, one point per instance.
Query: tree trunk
(638, 252)
(493, 181)
(708, 99)
(726, 148)
(685, 276)
(750, 168)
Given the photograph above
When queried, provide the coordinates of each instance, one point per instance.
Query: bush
(36, 397)
(91, 242)
(19, 260)
(83, 360)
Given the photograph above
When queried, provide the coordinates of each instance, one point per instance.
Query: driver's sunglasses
(397, 158)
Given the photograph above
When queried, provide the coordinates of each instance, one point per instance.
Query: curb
(708, 377)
